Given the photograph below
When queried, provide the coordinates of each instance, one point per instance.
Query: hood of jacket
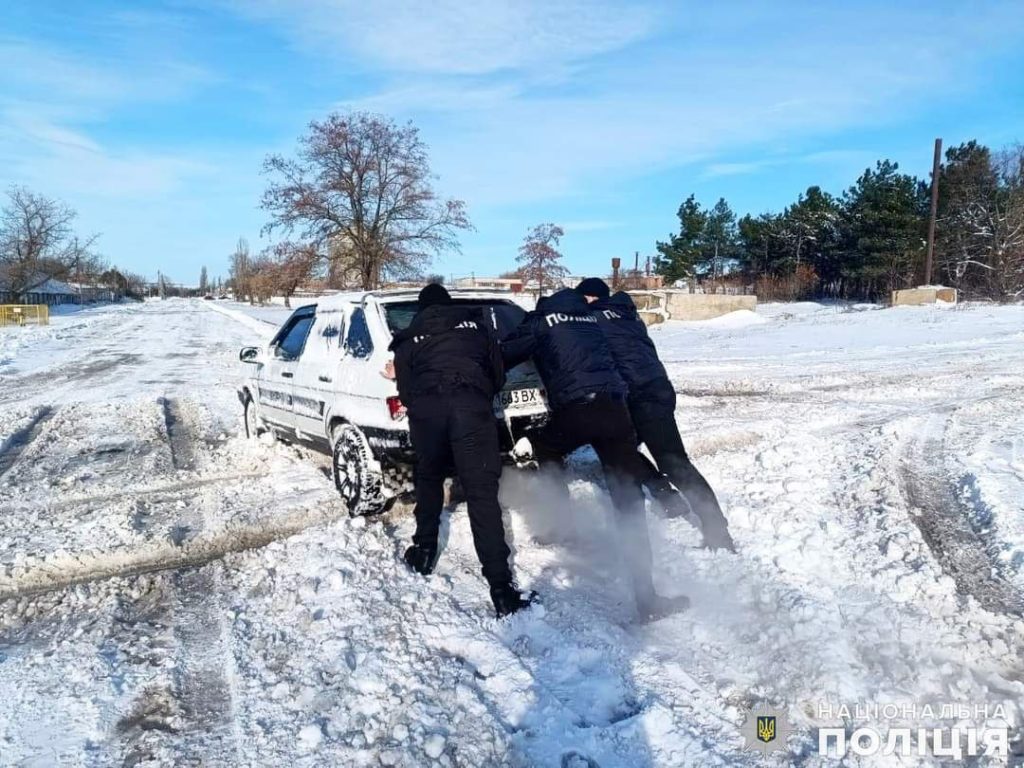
(565, 300)
(620, 302)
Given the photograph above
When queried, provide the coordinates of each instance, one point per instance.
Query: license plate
(519, 402)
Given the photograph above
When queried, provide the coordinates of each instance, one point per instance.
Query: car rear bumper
(394, 446)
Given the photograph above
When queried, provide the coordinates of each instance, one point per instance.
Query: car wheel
(252, 420)
(357, 475)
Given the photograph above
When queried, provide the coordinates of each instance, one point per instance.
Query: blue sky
(152, 118)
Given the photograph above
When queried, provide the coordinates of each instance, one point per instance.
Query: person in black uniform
(587, 397)
(652, 405)
(448, 368)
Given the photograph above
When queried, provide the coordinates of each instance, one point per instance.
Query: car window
(295, 337)
(504, 316)
(358, 341)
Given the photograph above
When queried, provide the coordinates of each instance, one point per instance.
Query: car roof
(340, 300)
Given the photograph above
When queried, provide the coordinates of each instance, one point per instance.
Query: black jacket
(447, 347)
(568, 347)
(635, 355)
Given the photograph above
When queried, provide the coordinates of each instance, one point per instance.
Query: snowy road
(173, 594)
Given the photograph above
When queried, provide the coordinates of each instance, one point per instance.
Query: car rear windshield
(504, 315)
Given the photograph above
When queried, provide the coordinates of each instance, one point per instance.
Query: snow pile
(740, 318)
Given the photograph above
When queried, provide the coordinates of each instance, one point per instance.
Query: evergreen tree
(760, 244)
(968, 185)
(719, 241)
(677, 257)
(884, 220)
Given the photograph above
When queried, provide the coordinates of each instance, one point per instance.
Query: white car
(322, 381)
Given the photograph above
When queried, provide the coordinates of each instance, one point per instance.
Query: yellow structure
(667, 304)
(928, 294)
(24, 314)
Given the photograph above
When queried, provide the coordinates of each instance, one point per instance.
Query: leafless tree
(539, 256)
(136, 285)
(287, 266)
(36, 240)
(1003, 223)
(241, 271)
(362, 180)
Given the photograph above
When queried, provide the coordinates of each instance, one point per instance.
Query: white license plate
(521, 402)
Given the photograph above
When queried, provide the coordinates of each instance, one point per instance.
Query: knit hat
(593, 286)
(432, 294)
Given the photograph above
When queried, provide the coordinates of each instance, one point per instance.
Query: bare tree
(35, 240)
(539, 256)
(1003, 223)
(241, 271)
(364, 181)
(136, 285)
(289, 265)
(204, 281)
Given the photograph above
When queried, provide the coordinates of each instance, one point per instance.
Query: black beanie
(593, 286)
(434, 293)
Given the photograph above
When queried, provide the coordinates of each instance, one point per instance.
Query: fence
(24, 314)
(86, 295)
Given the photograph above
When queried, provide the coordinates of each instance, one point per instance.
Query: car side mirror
(249, 354)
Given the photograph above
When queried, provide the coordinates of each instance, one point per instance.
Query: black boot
(716, 538)
(653, 606)
(421, 559)
(508, 600)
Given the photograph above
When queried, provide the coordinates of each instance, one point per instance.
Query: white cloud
(753, 79)
(456, 37)
(50, 156)
(69, 83)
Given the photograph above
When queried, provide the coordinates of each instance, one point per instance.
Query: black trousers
(604, 423)
(652, 409)
(456, 428)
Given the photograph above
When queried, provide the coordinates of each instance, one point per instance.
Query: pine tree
(678, 257)
(719, 241)
(884, 222)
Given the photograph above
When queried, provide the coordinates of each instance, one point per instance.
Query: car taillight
(395, 408)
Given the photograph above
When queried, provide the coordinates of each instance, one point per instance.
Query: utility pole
(934, 212)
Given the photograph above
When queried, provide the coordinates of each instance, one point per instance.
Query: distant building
(53, 292)
(513, 284)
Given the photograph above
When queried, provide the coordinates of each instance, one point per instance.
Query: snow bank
(741, 318)
(265, 327)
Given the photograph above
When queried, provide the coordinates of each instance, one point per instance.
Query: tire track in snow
(946, 525)
(137, 495)
(163, 556)
(179, 434)
(203, 691)
(15, 445)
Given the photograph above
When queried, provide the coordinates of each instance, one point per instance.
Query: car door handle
(325, 379)
(287, 374)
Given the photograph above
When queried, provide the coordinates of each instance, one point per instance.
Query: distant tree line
(38, 244)
(871, 239)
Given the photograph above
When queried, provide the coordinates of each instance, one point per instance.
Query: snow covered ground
(172, 594)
